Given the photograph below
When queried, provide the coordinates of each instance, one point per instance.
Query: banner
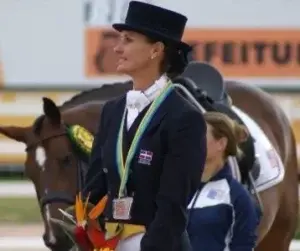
(68, 44)
(235, 52)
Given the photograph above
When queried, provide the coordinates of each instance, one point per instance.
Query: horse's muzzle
(62, 243)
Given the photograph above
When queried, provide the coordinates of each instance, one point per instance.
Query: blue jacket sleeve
(95, 180)
(183, 167)
(246, 220)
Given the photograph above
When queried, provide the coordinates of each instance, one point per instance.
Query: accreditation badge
(122, 208)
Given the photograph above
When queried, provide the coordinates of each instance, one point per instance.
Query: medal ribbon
(123, 167)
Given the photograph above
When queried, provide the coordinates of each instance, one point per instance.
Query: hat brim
(157, 35)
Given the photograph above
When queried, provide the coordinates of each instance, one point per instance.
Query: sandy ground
(30, 233)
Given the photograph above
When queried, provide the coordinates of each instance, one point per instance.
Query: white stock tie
(136, 101)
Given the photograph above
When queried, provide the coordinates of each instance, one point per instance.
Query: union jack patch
(145, 157)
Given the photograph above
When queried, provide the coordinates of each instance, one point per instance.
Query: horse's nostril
(44, 237)
(62, 242)
(46, 241)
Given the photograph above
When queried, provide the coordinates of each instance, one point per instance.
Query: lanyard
(123, 167)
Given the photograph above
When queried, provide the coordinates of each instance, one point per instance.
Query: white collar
(153, 91)
(140, 99)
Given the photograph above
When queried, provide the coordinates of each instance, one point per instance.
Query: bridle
(48, 196)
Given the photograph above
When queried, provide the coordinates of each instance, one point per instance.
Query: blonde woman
(222, 213)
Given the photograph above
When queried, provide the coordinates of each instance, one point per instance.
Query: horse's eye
(66, 161)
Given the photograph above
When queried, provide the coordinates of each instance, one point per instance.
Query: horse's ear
(14, 132)
(51, 111)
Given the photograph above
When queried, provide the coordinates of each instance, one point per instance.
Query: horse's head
(52, 165)
(49, 153)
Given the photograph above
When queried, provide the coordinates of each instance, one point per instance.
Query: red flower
(98, 240)
(82, 239)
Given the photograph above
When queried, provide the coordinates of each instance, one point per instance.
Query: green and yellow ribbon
(123, 167)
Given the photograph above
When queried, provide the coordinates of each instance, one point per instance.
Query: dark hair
(175, 59)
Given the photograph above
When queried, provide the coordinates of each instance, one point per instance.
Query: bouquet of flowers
(85, 231)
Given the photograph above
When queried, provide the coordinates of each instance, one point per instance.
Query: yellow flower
(104, 249)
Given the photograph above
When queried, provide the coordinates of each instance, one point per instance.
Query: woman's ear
(222, 144)
(157, 50)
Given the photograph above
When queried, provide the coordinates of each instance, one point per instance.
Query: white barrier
(16, 189)
(295, 246)
(22, 243)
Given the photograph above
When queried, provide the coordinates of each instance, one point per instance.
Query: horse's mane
(37, 124)
(103, 93)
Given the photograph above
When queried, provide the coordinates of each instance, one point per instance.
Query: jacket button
(105, 170)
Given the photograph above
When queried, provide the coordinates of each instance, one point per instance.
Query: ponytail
(175, 61)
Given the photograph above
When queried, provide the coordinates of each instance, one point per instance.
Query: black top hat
(156, 22)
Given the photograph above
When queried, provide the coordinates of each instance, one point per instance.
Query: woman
(151, 141)
(222, 214)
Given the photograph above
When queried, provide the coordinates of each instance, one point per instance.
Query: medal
(122, 208)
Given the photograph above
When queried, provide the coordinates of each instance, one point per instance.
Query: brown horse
(53, 165)
(53, 193)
